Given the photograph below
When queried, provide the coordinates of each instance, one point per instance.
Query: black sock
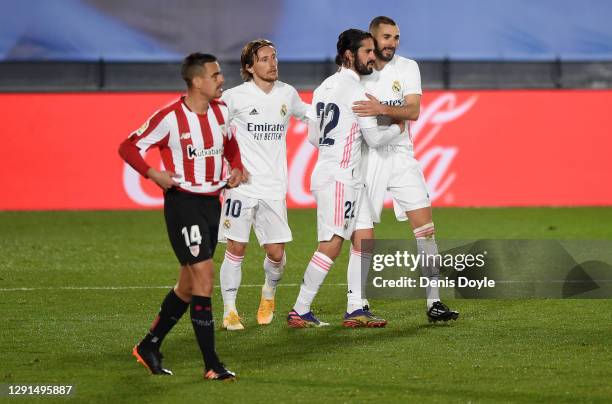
(204, 328)
(172, 309)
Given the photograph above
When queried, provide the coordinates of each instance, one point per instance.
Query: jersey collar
(350, 73)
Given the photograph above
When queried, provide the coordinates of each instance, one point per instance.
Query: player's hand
(235, 178)
(371, 107)
(401, 124)
(163, 179)
(245, 176)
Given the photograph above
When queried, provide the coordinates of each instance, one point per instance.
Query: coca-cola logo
(435, 159)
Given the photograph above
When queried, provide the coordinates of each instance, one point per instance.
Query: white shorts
(240, 212)
(393, 169)
(338, 207)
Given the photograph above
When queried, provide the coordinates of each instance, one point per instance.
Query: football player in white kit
(336, 180)
(395, 93)
(259, 112)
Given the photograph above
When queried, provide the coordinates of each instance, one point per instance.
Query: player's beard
(363, 69)
(270, 77)
(379, 54)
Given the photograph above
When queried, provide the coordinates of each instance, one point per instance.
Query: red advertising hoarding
(477, 148)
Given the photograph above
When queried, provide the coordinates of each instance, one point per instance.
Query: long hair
(248, 55)
(349, 40)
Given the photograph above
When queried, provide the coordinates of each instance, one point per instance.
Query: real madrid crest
(283, 110)
(226, 224)
(396, 86)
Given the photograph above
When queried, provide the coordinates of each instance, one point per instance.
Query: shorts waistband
(393, 148)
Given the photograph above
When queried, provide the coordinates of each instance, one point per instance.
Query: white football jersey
(260, 122)
(399, 78)
(339, 129)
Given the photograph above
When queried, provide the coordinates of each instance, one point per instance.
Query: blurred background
(516, 105)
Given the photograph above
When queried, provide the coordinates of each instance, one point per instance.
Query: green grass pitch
(93, 282)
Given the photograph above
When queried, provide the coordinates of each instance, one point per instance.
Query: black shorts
(193, 224)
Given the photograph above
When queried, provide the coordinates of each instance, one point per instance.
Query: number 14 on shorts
(193, 239)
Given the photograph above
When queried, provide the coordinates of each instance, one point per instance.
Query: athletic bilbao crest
(195, 250)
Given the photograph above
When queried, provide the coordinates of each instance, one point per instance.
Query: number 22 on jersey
(328, 116)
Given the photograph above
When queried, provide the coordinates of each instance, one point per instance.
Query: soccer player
(259, 110)
(336, 180)
(193, 141)
(394, 92)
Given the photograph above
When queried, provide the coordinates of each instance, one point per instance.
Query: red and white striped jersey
(191, 145)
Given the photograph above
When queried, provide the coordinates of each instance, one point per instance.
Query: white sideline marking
(136, 287)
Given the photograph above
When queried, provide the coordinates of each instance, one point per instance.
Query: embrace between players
(371, 98)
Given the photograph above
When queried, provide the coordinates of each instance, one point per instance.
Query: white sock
(315, 274)
(426, 245)
(231, 275)
(353, 278)
(274, 273)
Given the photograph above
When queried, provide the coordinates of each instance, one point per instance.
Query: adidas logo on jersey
(254, 112)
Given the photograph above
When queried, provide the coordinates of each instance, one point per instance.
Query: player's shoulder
(218, 102)
(234, 91)
(168, 109)
(403, 62)
(285, 88)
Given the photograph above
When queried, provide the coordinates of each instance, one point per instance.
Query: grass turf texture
(499, 350)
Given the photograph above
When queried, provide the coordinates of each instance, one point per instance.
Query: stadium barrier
(477, 148)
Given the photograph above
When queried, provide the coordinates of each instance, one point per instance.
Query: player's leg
(377, 166)
(173, 307)
(274, 267)
(272, 230)
(334, 225)
(357, 314)
(235, 226)
(175, 303)
(201, 270)
(411, 201)
(231, 276)
(424, 232)
(301, 316)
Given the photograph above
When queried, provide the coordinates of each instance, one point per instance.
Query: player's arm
(411, 88)
(373, 135)
(154, 132)
(372, 107)
(313, 126)
(231, 152)
(313, 132)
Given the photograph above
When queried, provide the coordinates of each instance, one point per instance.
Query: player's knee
(426, 231)
(236, 248)
(359, 236)
(275, 252)
(183, 292)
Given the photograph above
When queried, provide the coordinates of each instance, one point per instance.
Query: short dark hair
(193, 65)
(349, 40)
(247, 57)
(381, 19)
